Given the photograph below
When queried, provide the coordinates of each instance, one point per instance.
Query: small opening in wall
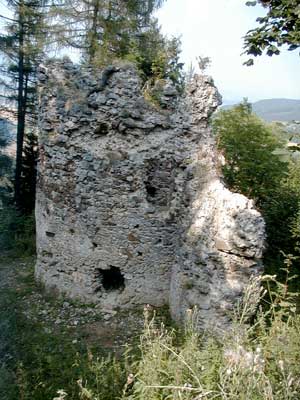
(47, 254)
(101, 130)
(111, 279)
(50, 234)
(151, 190)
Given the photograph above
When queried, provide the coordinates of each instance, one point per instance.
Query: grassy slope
(47, 343)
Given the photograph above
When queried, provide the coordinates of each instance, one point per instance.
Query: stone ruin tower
(130, 205)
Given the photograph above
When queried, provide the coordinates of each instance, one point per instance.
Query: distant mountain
(276, 109)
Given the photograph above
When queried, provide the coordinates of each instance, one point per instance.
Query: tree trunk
(93, 33)
(21, 109)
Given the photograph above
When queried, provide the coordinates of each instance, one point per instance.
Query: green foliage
(246, 363)
(155, 56)
(248, 144)
(107, 32)
(280, 26)
(254, 361)
(22, 44)
(107, 377)
(38, 359)
(6, 185)
(40, 371)
(8, 329)
(6, 168)
(17, 231)
(5, 164)
(253, 166)
(24, 35)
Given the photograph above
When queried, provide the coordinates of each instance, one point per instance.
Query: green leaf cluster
(280, 26)
(253, 166)
(248, 144)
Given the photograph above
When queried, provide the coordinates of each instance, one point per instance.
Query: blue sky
(215, 28)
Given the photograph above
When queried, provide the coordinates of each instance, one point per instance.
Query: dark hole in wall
(50, 234)
(111, 279)
(101, 130)
(47, 254)
(160, 181)
(151, 190)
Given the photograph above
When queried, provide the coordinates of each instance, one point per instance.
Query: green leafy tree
(280, 26)
(248, 144)
(253, 168)
(292, 186)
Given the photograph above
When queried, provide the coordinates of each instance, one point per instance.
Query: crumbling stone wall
(130, 206)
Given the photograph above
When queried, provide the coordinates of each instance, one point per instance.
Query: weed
(250, 361)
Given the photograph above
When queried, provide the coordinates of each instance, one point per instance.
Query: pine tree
(109, 30)
(21, 49)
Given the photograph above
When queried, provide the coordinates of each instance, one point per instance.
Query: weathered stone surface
(130, 205)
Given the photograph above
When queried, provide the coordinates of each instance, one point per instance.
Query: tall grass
(257, 358)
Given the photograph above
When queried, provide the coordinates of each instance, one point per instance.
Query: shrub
(17, 232)
(248, 144)
(254, 168)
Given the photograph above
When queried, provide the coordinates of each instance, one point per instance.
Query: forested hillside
(277, 109)
(286, 110)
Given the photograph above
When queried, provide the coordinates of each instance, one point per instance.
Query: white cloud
(215, 28)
